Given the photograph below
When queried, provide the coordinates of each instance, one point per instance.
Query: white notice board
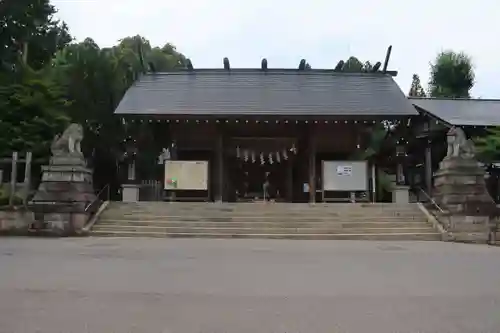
(345, 175)
(186, 175)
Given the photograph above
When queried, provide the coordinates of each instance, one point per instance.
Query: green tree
(29, 30)
(33, 111)
(32, 105)
(452, 75)
(95, 80)
(488, 146)
(416, 89)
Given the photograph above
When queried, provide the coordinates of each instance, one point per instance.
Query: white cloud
(322, 31)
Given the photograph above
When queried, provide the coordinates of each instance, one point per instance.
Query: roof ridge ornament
(376, 67)
(387, 58)
(339, 67)
(302, 65)
(226, 64)
(263, 64)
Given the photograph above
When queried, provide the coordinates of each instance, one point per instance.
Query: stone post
(13, 178)
(27, 177)
(130, 191)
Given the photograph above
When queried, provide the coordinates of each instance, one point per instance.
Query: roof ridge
(454, 99)
(291, 71)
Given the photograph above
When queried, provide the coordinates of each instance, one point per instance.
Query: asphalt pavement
(107, 285)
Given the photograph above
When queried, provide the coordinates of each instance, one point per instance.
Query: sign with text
(344, 170)
(186, 175)
(345, 175)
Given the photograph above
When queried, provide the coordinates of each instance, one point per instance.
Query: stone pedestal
(130, 193)
(459, 188)
(400, 194)
(60, 204)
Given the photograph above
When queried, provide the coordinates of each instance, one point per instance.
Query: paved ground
(155, 285)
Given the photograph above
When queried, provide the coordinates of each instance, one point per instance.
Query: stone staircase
(265, 220)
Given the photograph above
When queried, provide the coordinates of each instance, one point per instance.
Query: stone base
(459, 187)
(471, 229)
(62, 198)
(62, 224)
(469, 237)
(401, 195)
(68, 160)
(15, 222)
(130, 193)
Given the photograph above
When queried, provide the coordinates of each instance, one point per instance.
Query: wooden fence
(14, 161)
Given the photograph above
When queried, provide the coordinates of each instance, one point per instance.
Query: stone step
(266, 230)
(380, 236)
(265, 209)
(258, 224)
(267, 203)
(168, 207)
(266, 220)
(257, 216)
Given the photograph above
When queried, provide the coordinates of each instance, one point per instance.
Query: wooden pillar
(428, 168)
(289, 176)
(312, 166)
(374, 182)
(219, 155)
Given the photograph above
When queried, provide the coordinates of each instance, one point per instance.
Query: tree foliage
(46, 81)
(488, 146)
(416, 89)
(30, 30)
(452, 75)
(95, 79)
(32, 111)
(32, 106)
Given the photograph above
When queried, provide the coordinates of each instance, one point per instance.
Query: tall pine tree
(416, 89)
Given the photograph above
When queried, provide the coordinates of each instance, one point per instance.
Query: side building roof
(461, 112)
(272, 92)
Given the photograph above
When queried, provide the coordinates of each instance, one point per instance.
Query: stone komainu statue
(69, 143)
(458, 145)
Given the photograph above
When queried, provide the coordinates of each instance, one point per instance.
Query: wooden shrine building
(262, 132)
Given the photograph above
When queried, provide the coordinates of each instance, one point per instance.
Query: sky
(320, 31)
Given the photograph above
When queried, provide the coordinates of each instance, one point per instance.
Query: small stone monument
(60, 205)
(459, 188)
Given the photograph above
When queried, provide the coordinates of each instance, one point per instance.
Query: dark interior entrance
(261, 169)
(256, 181)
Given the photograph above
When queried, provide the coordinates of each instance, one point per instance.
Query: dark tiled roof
(274, 92)
(462, 112)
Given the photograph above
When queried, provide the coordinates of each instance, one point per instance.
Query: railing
(94, 205)
(431, 200)
(437, 207)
